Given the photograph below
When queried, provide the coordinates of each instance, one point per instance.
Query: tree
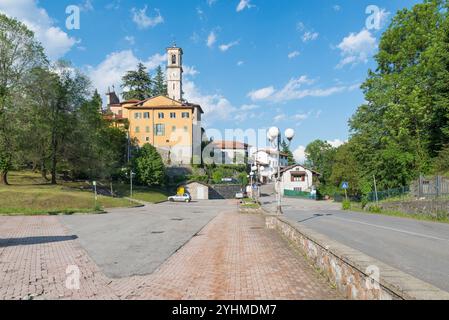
(320, 157)
(19, 53)
(405, 120)
(285, 149)
(150, 169)
(138, 84)
(160, 85)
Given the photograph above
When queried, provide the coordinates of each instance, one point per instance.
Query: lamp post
(275, 137)
(253, 175)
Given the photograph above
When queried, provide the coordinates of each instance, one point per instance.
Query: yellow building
(172, 126)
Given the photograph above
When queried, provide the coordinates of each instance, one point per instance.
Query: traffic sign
(345, 185)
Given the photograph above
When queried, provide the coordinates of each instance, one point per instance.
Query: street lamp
(274, 135)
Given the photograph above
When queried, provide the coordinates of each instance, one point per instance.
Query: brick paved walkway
(233, 257)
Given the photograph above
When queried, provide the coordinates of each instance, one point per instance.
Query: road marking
(393, 229)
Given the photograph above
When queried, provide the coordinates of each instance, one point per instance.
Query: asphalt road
(128, 242)
(418, 248)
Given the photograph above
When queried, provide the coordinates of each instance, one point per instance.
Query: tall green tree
(404, 122)
(320, 157)
(137, 84)
(286, 149)
(160, 85)
(19, 53)
(150, 169)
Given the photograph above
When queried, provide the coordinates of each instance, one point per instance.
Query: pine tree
(160, 85)
(286, 150)
(137, 84)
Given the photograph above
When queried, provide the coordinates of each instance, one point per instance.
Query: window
(146, 115)
(173, 128)
(185, 115)
(161, 115)
(173, 59)
(186, 129)
(137, 115)
(137, 129)
(147, 139)
(298, 178)
(172, 115)
(160, 130)
(147, 129)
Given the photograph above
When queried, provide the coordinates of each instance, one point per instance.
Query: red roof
(230, 145)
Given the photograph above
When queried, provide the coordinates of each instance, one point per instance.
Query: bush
(346, 205)
(364, 202)
(374, 209)
(149, 166)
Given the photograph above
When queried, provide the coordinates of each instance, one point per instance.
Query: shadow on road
(28, 241)
(316, 216)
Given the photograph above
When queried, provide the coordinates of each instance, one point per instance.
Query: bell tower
(174, 73)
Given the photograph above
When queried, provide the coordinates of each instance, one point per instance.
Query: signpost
(345, 186)
(95, 192)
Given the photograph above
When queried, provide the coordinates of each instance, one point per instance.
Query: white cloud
(130, 39)
(110, 71)
(240, 63)
(248, 107)
(280, 117)
(216, 107)
(336, 143)
(310, 36)
(87, 6)
(226, 47)
(211, 39)
(337, 7)
(261, 94)
(357, 48)
(114, 5)
(190, 71)
(55, 41)
(300, 154)
(143, 21)
(293, 54)
(294, 90)
(301, 116)
(244, 4)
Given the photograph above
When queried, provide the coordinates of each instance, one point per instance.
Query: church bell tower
(174, 73)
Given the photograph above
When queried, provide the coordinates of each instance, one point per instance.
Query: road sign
(345, 185)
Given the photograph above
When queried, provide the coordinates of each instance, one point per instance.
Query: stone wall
(355, 275)
(428, 207)
(224, 191)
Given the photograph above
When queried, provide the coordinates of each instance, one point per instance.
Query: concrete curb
(356, 275)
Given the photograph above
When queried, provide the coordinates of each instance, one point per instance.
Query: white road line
(393, 229)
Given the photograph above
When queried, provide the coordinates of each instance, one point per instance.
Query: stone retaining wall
(354, 274)
(428, 207)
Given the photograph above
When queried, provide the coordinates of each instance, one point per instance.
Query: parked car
(241, 195)
(180, 198)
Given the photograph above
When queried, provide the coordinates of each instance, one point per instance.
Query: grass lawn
(146, 194)
(249, 204)
(443, 217)
(29, 194)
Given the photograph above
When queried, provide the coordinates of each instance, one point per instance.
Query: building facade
(169, 123)
(298, 178)
(267, 161)
(230, 152)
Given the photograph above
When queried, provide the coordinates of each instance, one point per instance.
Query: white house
(268, 160)
(298, 178)
(230, 152)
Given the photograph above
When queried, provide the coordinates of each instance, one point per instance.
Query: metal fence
(388, 194)
(299, 194)
(436, 186)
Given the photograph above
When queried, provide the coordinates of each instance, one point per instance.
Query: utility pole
(375, 190)
(130, 167)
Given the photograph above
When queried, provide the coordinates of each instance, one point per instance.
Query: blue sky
(249, 63)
